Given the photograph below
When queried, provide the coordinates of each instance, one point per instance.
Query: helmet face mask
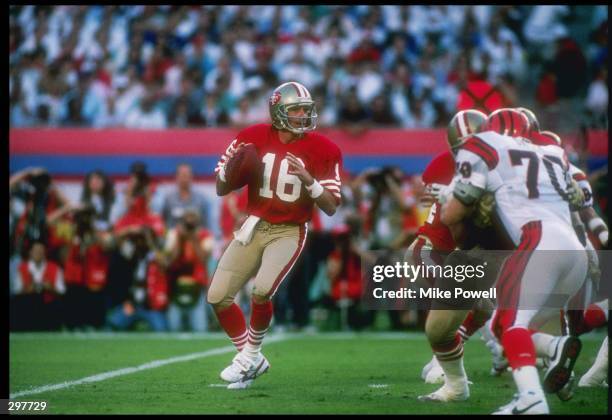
(462, 125)
(289, 97)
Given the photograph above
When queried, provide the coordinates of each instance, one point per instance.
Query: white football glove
(431, 194)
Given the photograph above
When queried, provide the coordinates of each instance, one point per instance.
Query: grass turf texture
(325, 373)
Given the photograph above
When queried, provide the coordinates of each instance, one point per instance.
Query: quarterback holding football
(288, 169)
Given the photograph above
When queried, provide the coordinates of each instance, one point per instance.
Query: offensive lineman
(433, 243)
(299, 169)
(530, 184)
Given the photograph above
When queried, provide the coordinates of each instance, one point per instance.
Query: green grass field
(320, 373)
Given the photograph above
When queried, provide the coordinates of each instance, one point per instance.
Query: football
(242, 166)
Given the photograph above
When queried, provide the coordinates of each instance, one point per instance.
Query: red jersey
(440, 171)
(277, 196)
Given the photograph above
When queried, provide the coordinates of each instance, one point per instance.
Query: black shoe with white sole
(561, 364)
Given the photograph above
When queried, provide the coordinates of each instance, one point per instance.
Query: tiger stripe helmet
(462, 125)
(508, 122)
(287, 96)
(553, 136)
(534, 124)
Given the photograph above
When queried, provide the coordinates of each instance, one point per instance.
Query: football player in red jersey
(435, 241)
(299, 168)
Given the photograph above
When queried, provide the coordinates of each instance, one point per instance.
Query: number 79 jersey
(529, 182)
(277, 196)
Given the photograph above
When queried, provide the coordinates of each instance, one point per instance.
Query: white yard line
(126, 371)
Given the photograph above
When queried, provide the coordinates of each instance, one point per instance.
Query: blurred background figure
(182, 196)
(346, 281)
(34, 198)
(138, 287)
(37, 290)
(188, 248)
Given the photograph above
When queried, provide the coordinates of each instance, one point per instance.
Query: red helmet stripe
(514, 124)
(297, 88)
(467, 124)
(458, 126)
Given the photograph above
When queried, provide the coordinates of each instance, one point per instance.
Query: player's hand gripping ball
(242, 166)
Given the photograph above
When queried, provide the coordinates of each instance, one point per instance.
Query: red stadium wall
(73, 152)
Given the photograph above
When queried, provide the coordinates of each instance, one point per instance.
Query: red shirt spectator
(186, 262)
(546, 92)
(87, 268)
(480, 95)
(38, 275)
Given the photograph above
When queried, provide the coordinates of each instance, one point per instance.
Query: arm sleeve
(470, 177)
(329, 177)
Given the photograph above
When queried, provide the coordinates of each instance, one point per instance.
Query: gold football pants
(269, 257)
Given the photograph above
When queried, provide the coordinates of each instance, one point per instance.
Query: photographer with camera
(32, 198)
(188, 247)
(86, 269)
(387, 205)
(37, 289)
(137, 284)
(388, 209)
(345, 275)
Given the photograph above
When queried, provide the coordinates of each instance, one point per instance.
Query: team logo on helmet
(288, 97)
(275, 98)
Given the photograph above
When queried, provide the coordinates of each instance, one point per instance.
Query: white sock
(599, 371)
(454, 372)
(253, 346)
(527, 379)
(542, 343)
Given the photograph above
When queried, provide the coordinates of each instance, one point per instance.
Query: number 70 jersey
(529, 182)
(276, 195)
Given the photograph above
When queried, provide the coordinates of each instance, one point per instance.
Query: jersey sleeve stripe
(483, 150)
(579, 176)
(332, 188)
(330, 181)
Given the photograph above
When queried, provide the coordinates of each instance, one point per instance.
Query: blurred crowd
(137, 258)
(404, 66)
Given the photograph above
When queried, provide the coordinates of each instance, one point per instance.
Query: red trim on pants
(285, 271)
(509, 283)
